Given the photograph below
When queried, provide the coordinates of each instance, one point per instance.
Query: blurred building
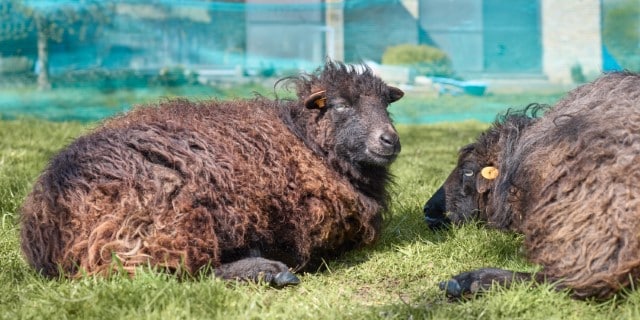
(518, 37)
(484, 38)
(544, 39)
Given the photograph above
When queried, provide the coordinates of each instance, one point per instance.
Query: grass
(417, 108)
(396, 279)
(88, 104)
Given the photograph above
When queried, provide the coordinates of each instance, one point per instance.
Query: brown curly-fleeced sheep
(567, 180)
(246, 187)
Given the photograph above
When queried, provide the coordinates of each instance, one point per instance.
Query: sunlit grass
(396, 279)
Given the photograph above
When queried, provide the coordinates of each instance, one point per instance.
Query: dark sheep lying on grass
(248, 188)
(569, 181)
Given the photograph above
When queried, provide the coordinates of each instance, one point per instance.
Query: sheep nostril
(389, 139)
(434, 216)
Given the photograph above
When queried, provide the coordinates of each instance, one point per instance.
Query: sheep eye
(467, 172)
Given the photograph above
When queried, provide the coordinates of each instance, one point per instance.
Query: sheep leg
(477, 281)
(258, 269)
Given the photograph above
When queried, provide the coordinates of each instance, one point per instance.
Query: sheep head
(466, 190)
(347, 114)
(483, 170)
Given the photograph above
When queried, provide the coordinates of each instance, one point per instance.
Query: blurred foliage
(102, 79)
(15, 24)
(621, 32)
(176, 76)
(51, 21)
(22, 18)
(426, 60)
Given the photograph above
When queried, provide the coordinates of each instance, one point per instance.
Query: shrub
(426, 60)
(15, 65)
(176, 76)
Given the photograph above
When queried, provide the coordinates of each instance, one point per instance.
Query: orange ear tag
(321, 102)
(489, 173)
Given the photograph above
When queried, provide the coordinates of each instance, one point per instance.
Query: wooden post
(334, 16)
(43, 27)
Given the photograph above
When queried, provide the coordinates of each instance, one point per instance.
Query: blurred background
(456, 59)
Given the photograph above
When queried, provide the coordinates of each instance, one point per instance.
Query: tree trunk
(42, 65)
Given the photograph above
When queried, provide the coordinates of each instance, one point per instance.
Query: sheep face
(464, 194)
(360, 125)
(347, 106)
(469, 190)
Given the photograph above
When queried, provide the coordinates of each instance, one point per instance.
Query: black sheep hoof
(451, 288)
(275, 273)
(285, 278)
(477, 281)
(462, 285)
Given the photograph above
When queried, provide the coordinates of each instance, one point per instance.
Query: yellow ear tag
(321, 102)
(489, 173)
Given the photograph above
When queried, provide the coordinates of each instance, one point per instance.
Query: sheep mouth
(381, 157)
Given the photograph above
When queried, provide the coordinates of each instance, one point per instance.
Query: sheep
(253, 189)
(567, 180)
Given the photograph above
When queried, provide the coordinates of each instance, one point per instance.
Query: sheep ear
(483, 185)
(317, 100)
(395, 94)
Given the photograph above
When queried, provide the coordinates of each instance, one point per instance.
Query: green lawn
(396, 279)
(90, 103)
